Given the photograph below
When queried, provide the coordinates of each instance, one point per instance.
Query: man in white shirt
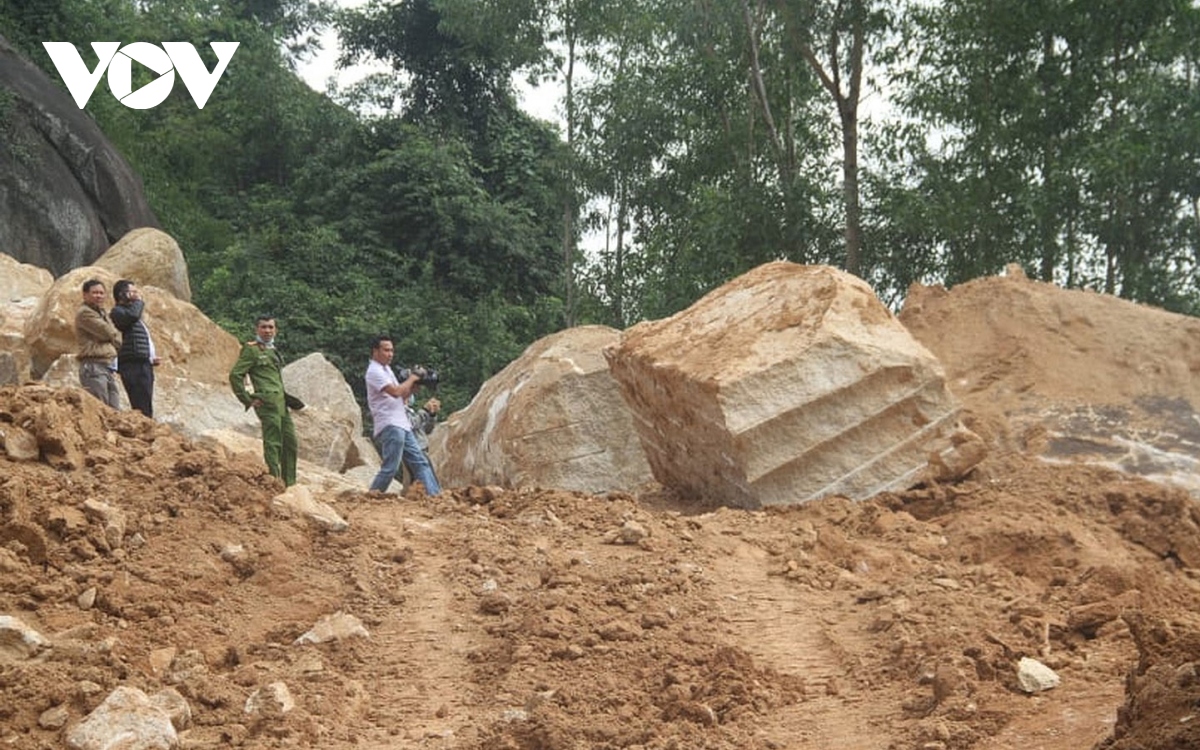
(386, 397)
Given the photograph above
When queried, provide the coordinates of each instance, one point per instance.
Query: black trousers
(138, 379)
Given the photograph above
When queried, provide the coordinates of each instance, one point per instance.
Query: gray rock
(1034, 677)
(336, 627)
(273, 701)
(331, 419)
(67, 193)
(54, 718)
(18, 444)
(298, 500)
(18, 641)
(128, 719)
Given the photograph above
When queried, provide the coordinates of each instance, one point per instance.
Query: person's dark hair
(377, 341)
(87, 285)
(120, 288)
(263, 318)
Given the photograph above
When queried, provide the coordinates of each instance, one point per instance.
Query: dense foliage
(903, 140)
(440, 231)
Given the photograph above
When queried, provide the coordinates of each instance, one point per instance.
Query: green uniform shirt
(265, 368)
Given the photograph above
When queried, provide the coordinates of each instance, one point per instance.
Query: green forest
(904, 141)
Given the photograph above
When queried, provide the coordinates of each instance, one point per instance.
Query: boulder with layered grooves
(785, 385)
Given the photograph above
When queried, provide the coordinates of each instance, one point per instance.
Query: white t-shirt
(386, 411)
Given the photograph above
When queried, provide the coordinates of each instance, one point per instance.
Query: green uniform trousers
(279, 441)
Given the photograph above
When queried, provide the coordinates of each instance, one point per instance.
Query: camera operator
(387, 399)
(423, 419)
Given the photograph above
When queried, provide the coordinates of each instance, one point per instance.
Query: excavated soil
(551, 620)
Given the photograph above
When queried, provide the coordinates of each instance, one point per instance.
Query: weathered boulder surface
(66, 193)
(21, 286)
(150, 257)
(785, 385)
(19, 281)
(330, 420)
(553, 417)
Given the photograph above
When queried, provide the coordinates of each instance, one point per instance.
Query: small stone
(631, 532)
(87, 599)
(335, 627)
(270, 701)
(1034, 677)
(54, 718)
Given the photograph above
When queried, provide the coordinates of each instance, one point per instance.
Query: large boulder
(150, 257)
(21, 286)
(66, 194)
(331, 419)
(552, 418)
(787, 384)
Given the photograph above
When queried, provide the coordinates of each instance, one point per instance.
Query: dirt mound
(1018, 344)
(1069, 375)
(542, 619)
(552, 620)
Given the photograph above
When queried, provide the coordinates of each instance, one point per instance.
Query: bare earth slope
(552, 620)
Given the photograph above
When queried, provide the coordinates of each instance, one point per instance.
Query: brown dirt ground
(516, 620)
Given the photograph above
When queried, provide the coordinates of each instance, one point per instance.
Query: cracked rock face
(66, 194)
(788, 384)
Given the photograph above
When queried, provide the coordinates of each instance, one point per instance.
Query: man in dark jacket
(136, 359)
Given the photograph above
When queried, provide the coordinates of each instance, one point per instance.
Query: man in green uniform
(260, 360)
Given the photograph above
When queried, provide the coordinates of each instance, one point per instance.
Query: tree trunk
(568, 238)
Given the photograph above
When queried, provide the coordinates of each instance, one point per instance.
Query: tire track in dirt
(422, 647)
(778, 623)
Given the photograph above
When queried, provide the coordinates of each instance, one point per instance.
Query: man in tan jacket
(99, 341)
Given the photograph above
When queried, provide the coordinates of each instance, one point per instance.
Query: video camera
(426, 376)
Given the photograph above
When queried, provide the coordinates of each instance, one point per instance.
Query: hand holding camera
(425, 376)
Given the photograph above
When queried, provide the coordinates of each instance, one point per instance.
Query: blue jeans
(395, 445)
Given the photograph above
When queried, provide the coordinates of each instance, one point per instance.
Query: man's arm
(395, 390)
(237, 376)
(124, 316)
(97, 327)
(428, 415)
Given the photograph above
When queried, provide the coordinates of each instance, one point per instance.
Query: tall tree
(832, 38)
(546, 41)
(458, 83)
(1056, 140)
(672, 136)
